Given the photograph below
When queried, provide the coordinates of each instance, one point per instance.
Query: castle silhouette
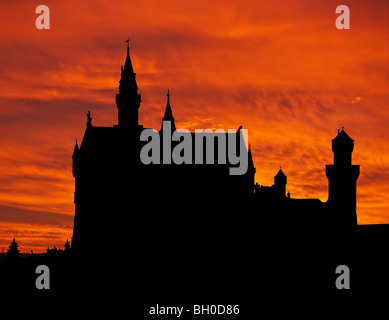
(115, 192)
(193, 233)
(194, 229)
(173, 218)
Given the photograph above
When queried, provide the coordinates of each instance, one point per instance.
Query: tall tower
(342, 181)
(128, 99)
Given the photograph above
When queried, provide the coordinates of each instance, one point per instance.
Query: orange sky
(279, 68)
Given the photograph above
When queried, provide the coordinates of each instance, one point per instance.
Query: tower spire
(88, 119)
(127, 68)
(128, 45)
(128, 99)
(168, 115)
(168, 110)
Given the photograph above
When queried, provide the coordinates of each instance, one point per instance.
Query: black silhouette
(13, 252)
(179, 232)
(338, 213)
(67, 246)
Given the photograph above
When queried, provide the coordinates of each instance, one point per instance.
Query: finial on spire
(89, 119)
(342, 128)
(168, 115)
(128, 45)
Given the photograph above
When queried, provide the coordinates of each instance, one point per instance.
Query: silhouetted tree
(13, 252)
(67, 245)
(68, 250)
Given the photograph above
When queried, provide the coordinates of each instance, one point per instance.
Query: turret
(342, 182)
(342, 146)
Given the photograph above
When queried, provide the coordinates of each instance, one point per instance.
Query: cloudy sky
(281, 69)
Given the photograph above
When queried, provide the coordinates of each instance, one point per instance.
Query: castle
(118, 197)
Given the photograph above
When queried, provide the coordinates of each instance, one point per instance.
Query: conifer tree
(67, 245)
(13, 252)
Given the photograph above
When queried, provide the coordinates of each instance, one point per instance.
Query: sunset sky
(281, 69)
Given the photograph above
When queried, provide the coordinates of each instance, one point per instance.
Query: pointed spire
(76, 160)
(88, 119)
(128, 46)
(168, 110)
(168, 115)
(128, 99)
(127, 68)
(76, 150)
